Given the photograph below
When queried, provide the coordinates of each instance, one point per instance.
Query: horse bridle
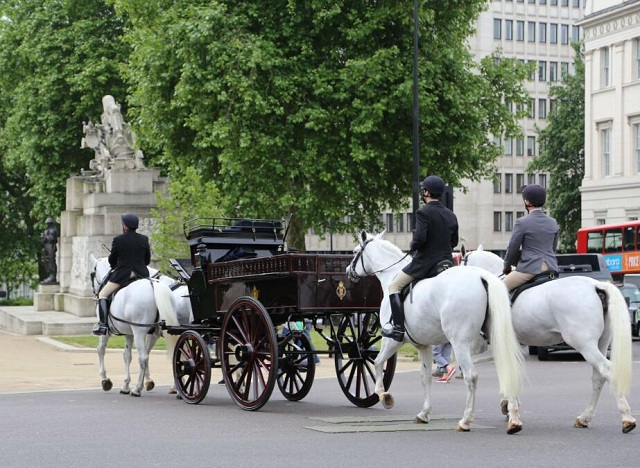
(353, 276)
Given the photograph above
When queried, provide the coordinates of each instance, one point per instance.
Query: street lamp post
(416, 114)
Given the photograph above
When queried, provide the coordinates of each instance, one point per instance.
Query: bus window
(613, 241)
(629, 239)
(594, 242)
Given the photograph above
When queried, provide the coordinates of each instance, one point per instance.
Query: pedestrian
(129, 257)
(435, 236)
(442, 357)
(533, 243)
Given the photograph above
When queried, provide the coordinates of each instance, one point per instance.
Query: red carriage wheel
(357, 344)
(191, 367)
(249, 353)
(296, 368)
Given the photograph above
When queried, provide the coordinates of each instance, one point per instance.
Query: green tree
(58, 58)
(562, 152)
(306, 107)
(188, 197)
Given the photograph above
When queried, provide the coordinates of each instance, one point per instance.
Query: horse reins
(359, 256)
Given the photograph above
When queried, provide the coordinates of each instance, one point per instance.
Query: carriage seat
(537, 280)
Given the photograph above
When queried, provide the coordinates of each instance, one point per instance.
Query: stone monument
(116, 182)
(49, 238)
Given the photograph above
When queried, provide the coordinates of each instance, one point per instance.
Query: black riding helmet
(534, 194)
(434, 184)
(130, 220)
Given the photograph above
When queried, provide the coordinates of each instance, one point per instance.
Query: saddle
(537, 280)
(435, 271)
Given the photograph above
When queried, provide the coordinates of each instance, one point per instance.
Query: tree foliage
(309, 104)
(562, 153)
(188, 197)
(57, 59)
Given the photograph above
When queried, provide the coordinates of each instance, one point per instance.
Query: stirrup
(100, 329)
(397, 333)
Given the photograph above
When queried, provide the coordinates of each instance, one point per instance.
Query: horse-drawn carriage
(247, 292)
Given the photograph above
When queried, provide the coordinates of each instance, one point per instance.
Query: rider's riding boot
(102, 328)
(397, 311)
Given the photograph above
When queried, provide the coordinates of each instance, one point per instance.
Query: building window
(532, 76)
(497, 221)
(519, 182)
(564, 33)
(542, 32)
(542, 70)
(531, 179)
(497, 28)
(519, 147)
(605, 136)
(564, 70)
(542, 180)
(565, 3)
(519, 214)
(553, 71)
(576, 3)
(554, 2)
(508, 221)
(542, 2)
(542, 108)
(552, 105)
(508, 183)
(389, 223)
(636, 134)
(554, 34)
(508, 146)
(575, 33)
(605, 57)
(520, 30)
(508, 30)
(532, 108)
(531, 31)
(399, 223)
(497, 184)
(638, 58)
(411, 225)
(531, 146)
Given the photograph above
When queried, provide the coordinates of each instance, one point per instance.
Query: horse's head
(99, 269)
(373, 255)
(483, 259)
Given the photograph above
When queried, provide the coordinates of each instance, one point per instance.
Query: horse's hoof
(387, 400)
(124, 392)
(135, 394)
(107, 385)
(149, 385)
(459, 428)
(172, 391)
(420, 421)
(514, 428)
(628, 426)
(580, 423)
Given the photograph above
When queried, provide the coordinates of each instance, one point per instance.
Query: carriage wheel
(191, 367)
(248, 349)
(358, 342)
(296, 370)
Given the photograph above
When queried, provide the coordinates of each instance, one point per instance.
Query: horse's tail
(164, 302)
(621, 352)
(507, 353)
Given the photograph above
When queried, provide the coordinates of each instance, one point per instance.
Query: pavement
(31, 362)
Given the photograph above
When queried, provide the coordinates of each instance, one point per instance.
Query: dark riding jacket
(435, 237)
(130, 252)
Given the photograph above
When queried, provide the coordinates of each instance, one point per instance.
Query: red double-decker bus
(618, 243)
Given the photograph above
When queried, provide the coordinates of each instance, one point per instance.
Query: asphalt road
(94, 428)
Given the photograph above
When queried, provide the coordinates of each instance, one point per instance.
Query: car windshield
(631, 292)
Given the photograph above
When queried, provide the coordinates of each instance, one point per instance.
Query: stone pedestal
(43, 300)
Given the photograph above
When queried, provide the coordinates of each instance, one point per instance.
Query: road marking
(395, 423)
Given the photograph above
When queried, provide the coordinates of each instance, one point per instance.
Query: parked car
(631, 294)
(591, 265)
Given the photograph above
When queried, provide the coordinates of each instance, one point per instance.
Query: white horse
(588, 315)
(135, 312)
(180, 293)
(455, 306)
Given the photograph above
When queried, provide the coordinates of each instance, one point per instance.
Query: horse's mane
(391, 247)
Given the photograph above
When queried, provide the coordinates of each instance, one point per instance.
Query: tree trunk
(296, 232)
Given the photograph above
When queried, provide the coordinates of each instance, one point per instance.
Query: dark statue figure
(49, 239)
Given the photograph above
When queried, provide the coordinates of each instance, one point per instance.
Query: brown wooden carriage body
(248, 310)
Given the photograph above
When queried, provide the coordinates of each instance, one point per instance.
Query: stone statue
(112, 140)
(49, 239)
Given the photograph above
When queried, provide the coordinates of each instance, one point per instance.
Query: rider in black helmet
(534, 240)
(435, 236)
(129, 257)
